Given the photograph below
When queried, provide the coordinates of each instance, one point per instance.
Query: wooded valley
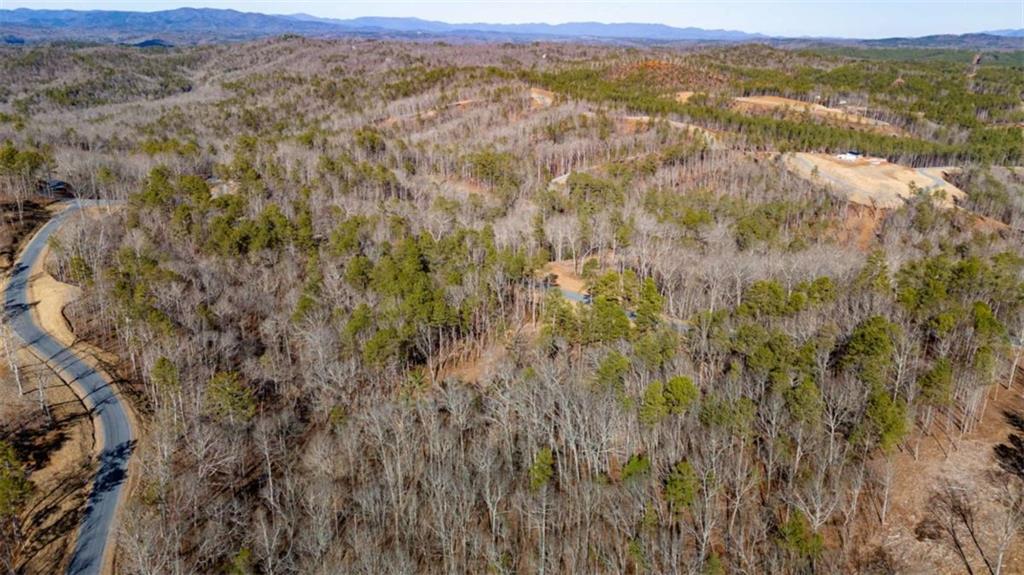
(389, 307)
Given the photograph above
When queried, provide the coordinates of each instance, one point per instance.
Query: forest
(414, 307)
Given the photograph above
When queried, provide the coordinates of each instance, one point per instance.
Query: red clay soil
(985, 224)
(860, 226)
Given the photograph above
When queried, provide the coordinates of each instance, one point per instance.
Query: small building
(851, 156)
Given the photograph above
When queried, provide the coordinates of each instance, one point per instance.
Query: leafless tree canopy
(327, 289)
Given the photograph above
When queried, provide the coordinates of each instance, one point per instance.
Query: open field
(763, 104)
(873, 182)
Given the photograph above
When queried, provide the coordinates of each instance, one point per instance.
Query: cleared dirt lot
(873, 182)
(859, 226)
(566, 276)
(631, 124)
(540, 98)
(768, 104)
(635, 124)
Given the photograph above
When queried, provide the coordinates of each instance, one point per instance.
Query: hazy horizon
(830, 18)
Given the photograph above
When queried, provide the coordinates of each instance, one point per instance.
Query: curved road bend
(95, 533)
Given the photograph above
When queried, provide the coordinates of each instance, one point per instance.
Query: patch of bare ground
(684, 96)
(57, 445)
(477, 365)
(786, 106)
(637, 124)
(979, 223)
(565, 275)
(457, 186)
(646, 122)
(540, 98)
(51, 299)
(872, 181)
(859, 226)
(220, 188)
(430, 114)
(947, 510)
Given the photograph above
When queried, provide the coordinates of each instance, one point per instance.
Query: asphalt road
(95, 533)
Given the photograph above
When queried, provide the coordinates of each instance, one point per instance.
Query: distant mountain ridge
(192, 25)
(570, 29)
(231, 24)
(116, 25)
(1018, 33)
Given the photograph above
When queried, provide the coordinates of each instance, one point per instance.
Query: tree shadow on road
(93, 537)
(113, 468)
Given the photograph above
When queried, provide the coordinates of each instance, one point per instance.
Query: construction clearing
(770, 104)
(540, 98)
(874, 181)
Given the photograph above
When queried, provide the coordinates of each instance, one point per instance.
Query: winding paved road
(95, 533)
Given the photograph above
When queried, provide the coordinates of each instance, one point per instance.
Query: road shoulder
(49, 297)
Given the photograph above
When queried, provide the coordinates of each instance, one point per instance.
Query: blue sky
(854, 18)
